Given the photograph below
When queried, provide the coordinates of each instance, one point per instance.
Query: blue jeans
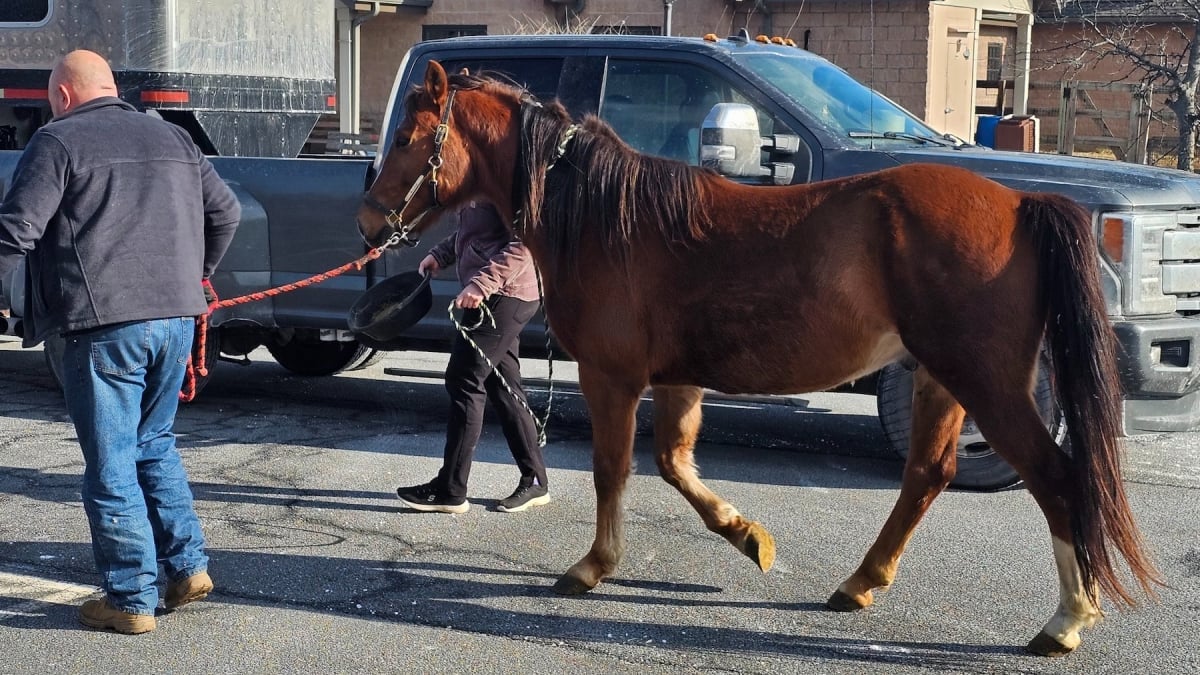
(122, 385)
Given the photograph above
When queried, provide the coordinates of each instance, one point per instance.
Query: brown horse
(671, 277)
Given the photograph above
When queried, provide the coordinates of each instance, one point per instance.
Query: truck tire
(369, 358)
(979, 466)
(315, 359)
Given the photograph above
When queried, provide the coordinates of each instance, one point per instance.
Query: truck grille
(1181, 263)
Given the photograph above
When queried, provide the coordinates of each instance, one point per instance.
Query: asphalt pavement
(318, 569)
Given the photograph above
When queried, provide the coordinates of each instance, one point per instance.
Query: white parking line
(32, 593)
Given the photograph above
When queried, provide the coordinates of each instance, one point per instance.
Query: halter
(394, 217)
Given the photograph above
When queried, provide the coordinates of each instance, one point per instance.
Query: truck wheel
(979, 467)
(317, 358)
(369, 358)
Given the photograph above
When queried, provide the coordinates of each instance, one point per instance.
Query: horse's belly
(777, 367)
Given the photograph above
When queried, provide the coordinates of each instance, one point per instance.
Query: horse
(653, 275)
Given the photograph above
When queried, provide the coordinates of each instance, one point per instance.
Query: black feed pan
(390, 307)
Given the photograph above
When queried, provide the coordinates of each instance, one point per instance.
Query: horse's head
(457, 140)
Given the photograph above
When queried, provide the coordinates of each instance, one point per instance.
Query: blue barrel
(985, 133)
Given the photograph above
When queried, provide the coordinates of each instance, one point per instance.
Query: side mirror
(729, 141)
(730, 144)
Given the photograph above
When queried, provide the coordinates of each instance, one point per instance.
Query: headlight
(1132, 245)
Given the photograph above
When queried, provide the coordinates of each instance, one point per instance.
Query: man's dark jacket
(121, 217)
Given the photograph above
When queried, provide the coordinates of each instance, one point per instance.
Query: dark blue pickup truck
(812, 122)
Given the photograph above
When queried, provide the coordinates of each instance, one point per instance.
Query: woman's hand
(429, 266)
(470, 297)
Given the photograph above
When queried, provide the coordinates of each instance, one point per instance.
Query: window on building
(995, 61)
(24, 11)
(622, 29)
(439, 32)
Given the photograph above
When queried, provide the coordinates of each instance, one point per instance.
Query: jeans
(122, 385)
(470, 382)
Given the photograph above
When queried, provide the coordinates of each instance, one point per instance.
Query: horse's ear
(436, 84)
(463, 72)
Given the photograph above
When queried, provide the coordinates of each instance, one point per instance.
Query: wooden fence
(1123, 129)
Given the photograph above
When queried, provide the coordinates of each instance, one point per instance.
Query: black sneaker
(428, 498)
(525, 497)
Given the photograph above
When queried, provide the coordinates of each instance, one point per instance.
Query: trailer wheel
(314, 359)
(979, 466)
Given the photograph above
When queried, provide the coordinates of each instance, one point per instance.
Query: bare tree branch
(1157, 41)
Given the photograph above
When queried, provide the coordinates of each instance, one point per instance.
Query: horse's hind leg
(676, 425)
(936, 422)
(1020, 436)
(612, 404)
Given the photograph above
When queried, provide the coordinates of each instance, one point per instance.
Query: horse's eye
(401, 140)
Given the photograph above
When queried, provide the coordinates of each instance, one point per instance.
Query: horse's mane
(598, 183)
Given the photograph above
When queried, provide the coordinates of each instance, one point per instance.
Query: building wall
(387, 37)
(884, 44)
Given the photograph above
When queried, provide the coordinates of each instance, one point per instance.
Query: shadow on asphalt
(443, 594)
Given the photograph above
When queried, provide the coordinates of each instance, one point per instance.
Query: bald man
(122, 220)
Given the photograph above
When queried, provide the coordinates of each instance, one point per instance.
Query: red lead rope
(196, 363)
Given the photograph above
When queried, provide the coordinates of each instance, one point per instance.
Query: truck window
(838, 101)
(657, 106)
(539, 76)
(24, 11)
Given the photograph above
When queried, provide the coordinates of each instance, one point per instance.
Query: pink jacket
(488, 255)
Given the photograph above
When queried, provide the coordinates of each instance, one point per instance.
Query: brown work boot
(191, 589)
(102, 615)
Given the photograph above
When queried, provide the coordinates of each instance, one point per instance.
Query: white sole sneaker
(429, 507)
(536, 501)
(437, 508)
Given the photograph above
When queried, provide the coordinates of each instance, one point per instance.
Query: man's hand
(429, 266)
(470, 297)
(210, 294)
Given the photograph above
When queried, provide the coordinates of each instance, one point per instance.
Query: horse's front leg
(676, 426)
(612, 404)
(936, 421)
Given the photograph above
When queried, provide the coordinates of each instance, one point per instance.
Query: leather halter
(394, 216)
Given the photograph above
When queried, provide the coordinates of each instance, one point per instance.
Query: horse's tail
(1083, 348)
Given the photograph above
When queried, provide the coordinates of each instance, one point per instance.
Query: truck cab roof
(641, 86)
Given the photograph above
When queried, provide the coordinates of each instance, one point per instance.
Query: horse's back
(821, 283)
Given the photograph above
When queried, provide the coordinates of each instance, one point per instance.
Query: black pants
(470, 381)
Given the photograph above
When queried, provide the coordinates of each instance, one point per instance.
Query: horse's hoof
(1044, 645)
(843, 602)
(570, 585)
(760, 546)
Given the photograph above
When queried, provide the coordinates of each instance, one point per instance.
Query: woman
(497, 271)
